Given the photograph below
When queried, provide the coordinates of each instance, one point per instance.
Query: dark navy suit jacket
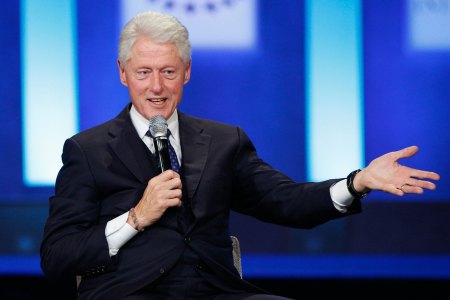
(105, 171)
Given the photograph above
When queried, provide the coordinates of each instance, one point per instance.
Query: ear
(123, 77)
(187, 72)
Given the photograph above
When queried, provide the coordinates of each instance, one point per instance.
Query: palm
(386, 174)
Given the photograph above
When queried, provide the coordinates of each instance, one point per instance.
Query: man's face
(154, 75)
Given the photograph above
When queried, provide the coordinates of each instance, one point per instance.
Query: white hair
(159, 28)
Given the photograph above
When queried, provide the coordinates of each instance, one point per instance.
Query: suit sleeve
(74, 241)
(269, 195)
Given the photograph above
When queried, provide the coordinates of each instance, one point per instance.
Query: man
(132, 232)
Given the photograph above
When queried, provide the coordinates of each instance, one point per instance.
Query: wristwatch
(356, 195)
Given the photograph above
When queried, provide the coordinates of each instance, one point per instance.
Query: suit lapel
(195, 147)
(132, 152)
(130, 149)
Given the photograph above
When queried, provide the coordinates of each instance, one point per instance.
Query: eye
(142, 74)
(169, 73)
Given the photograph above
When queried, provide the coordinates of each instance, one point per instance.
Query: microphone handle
(162, 153)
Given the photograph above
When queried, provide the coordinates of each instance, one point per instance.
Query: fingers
(167, 190)
(415, 186)
(166, 180)
(412, 182)
(174, 202)
(163, 190)
(408, 189)
(172, 194)
(165, 176)
(425, 174)
(404, 189)
(411, 186)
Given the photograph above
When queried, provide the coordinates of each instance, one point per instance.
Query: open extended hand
(386, 174)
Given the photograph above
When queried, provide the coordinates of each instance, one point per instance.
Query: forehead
(146, 49)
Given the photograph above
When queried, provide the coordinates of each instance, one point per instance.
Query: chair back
(236, 254)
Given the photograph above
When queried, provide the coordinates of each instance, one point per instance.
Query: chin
(166, 114)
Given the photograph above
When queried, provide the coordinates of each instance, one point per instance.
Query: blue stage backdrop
(336, 82)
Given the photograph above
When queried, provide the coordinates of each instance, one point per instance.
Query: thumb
(406, 152)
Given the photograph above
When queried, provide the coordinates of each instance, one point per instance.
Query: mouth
(157, 100)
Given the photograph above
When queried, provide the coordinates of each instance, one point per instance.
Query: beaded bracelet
(135, 220)
(351, 188)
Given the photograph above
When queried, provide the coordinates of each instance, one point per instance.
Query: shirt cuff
(340, 195)
(118, 232)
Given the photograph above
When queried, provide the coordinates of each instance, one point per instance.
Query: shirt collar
(141, 124)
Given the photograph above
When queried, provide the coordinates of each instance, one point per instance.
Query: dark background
(401, 244)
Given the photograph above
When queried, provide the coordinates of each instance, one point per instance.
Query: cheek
(177, 87)
(136, 88)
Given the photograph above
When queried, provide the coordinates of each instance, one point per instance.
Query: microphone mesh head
(158, 126)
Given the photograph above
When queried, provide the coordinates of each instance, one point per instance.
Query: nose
(156, 83)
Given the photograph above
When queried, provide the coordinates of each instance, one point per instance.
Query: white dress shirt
(118, 231)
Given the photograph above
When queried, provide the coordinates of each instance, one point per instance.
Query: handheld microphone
(158, 130)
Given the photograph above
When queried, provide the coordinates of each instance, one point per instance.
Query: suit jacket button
(187, 239)
(161, 271)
